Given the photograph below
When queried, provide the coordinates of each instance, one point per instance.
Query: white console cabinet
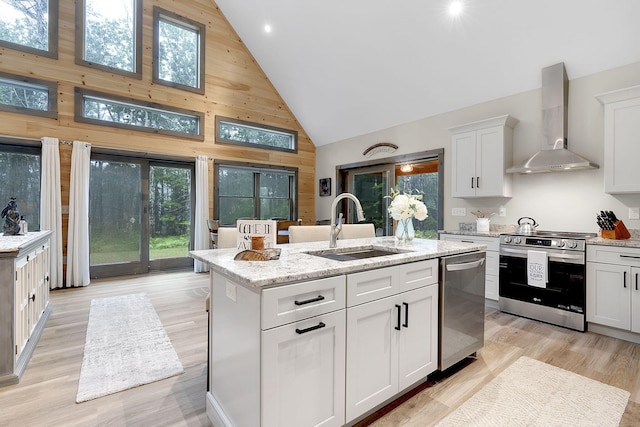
(24, 300)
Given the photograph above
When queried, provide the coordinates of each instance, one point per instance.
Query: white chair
(308, 233)
(227, 237)
(357, 231)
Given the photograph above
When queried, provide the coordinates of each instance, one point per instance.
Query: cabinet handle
(399, 309)
(477, 182)
(46, 278)
(406, 315)
(33, 297)
(624, 279)
(636, 281)
(311, 328)
(309, 301)
(471, 182)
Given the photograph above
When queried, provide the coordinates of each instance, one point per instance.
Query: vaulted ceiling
(350, 67)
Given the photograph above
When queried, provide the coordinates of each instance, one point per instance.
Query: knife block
(619, 232)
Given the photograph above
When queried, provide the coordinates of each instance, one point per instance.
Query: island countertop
(297, 264)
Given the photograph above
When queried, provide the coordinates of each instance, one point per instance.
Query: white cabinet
(621, 148)
(613, 287)
(24, 301)
(492, 271)
(392, 342)
(481, 152)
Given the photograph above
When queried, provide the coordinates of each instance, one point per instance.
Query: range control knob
(507, 239)
(572, 244)
(517, 240)
(560, 244)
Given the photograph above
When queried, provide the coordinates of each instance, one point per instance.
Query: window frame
(137, 34)
(52, 42)
(220, 140)
(79, 117)
(160, 14)
(52, 94)
(257, 169)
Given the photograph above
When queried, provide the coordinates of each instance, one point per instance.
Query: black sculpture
(11, 218)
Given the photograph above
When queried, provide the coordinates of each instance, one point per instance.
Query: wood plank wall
(235, 86)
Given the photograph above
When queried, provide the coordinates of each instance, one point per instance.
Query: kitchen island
(319, 336)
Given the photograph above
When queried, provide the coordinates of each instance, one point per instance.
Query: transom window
(239, 132)
(30, 26)
(27, 95)
(109, 35)
(178, 51)
(110, 110)
(244, 191)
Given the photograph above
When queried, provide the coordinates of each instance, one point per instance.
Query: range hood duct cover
(554, 156)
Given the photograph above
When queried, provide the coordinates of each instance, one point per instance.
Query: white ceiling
(350, 67)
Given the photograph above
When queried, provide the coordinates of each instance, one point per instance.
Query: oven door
(566, 274)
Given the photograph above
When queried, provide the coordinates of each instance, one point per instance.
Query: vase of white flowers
(403, 208)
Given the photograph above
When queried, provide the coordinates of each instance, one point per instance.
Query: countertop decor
(403, 208)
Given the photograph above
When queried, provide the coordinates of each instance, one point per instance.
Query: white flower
(405, 206)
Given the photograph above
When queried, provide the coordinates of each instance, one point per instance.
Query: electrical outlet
(502, 211)
(458, 212)
(634, 213)
(231, 292)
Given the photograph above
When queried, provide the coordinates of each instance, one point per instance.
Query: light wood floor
(46, 394)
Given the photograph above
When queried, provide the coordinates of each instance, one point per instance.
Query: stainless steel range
(542, 277)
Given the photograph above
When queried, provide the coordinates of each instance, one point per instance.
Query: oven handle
(577, 259)
(465, 265)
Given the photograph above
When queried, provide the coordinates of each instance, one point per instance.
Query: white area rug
(126, 346)
(532, 393)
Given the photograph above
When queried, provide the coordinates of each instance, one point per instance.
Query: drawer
(417, 274)
(613, 255)
(291, 303)
(372, 284)
(493, 243)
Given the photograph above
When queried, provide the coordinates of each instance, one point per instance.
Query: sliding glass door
(370, 185)
(140, 215)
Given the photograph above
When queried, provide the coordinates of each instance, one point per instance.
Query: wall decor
(325, 186)
(381, 147)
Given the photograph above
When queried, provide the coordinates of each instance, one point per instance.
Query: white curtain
(78, 238)
(201, 230)
(51, 207)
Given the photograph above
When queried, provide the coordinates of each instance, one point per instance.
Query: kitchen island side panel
(234, 369)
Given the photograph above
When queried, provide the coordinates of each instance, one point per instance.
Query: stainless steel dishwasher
(461, 324)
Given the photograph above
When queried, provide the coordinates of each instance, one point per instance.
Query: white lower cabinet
(303, 372)
(613, 287)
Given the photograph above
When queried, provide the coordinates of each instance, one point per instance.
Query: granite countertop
(9, 244)
(295, 264)
(633, 242)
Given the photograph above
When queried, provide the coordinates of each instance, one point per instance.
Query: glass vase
(405, 232)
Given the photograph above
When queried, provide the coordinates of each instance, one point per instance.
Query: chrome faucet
(336, 229)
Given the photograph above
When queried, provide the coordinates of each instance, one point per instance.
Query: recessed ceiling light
(267, 28)
(455, 8)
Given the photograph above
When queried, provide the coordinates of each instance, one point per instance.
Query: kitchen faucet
(336, 229)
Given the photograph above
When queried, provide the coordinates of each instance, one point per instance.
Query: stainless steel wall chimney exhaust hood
(554, 156)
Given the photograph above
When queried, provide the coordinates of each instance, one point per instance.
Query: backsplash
(493, 228)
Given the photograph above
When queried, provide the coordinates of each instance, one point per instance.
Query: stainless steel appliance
(560, 298)
(461, 307)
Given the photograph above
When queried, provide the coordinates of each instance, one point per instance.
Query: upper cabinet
(621, 140)
(481, 153)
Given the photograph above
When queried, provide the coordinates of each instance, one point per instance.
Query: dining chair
(308, 233)
(357, 231)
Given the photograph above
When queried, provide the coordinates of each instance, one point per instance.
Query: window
(178, 51)
(26, 95)
(239, 132)
(30, 26)
(110, 110)
(109, 35)
(20, 177)
(245, 191)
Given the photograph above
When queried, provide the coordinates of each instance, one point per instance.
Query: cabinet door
(22, 328)
(303, 373)
(609, 295)
(490, 162)
(418, 344)
(372, 355)
(635, 299)
(621, 153)
(464, 165)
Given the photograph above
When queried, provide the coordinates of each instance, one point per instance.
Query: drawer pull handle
(311, 328)
(630, 256)
(309, 301)
(406, 315)
(397, 328)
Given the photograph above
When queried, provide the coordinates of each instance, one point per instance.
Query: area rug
(532, 393)
(126, 346)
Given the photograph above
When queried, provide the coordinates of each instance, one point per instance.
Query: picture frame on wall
(325, 186)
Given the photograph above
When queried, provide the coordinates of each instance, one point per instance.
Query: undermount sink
(352, 254)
